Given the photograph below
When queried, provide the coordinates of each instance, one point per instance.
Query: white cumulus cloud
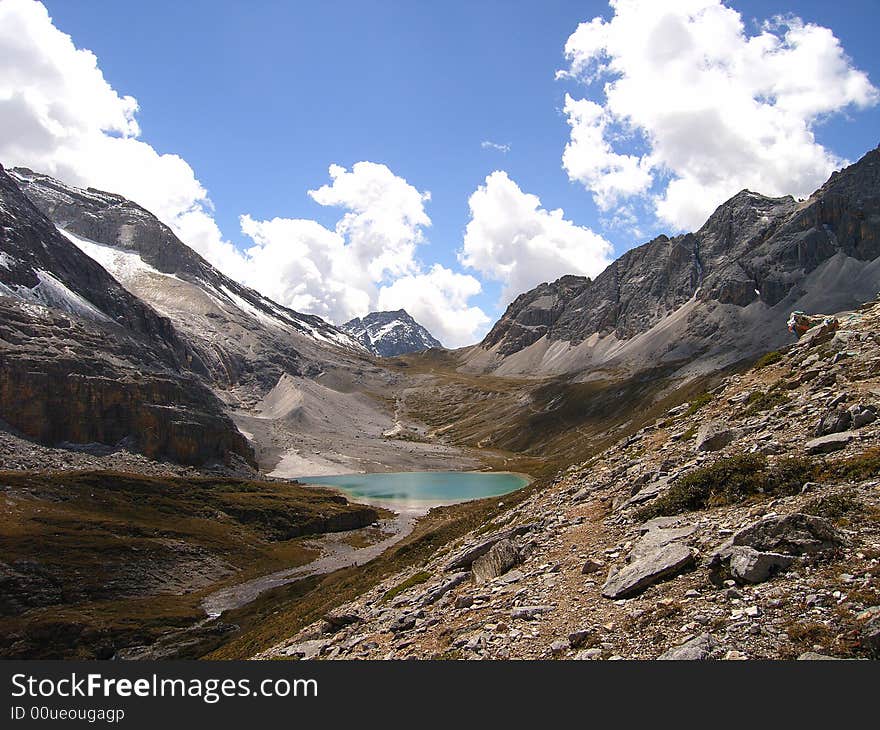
(439, 300)
(510, 238)
(686, 107)
(60, 116)
(367, 262)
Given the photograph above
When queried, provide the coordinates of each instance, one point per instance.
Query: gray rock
(502, 556)
(591, 566)
(466, 557)
(435, 594)
(794, 534)
(834, 421)
(307, 649)
(713, 436)
(753, 566)
(589, 654)
(831, 442)
(660, 523)
(559, 646)
(333, 622)
(695, 649)
(655, 539)
(812, 656)
(638, 575)
(529, 612)
(576, 639)
(404, 623)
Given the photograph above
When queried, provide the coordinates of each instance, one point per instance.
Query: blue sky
(260, 98)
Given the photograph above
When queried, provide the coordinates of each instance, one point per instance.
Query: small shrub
(834, 506)
(421, 577)
(789, 475)
(770, 358)
(727, 480)
(855, 468)
(760, 401)
(697, 403)
(731, 480)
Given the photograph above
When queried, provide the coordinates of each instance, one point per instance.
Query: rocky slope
(242, 337)
(83, 360)
(707, 299)
(744, 524)
(388, 334)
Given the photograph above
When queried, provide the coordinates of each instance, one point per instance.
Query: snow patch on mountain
(388, 334)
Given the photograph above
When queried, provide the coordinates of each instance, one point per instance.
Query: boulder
(834, 421)
(655, 539)
(466, 557)
(794, 534)
(436, 593)
(831, 442)
(693, 650)
(752, 566)
(502, 556)
(333, 622)
(713, 436)
(644, 572)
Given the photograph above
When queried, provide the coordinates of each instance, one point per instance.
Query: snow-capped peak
(388, 334)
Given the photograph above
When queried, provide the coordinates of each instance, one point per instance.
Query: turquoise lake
(422, 488)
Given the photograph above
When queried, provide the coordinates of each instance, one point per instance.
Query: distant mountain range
(388, 334)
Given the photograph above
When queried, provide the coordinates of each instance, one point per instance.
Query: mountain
(242, 337)
(290, 382)
(388, 334)
(701, 301)
(83, 360)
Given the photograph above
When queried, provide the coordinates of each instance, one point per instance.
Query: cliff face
(83, 360)
(720, 292)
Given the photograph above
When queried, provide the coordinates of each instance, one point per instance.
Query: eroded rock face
(235, 335)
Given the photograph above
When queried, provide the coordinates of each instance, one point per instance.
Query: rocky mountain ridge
(744, 524)
(389, 334)
(83, 360)
(702, 300)
(241, 336)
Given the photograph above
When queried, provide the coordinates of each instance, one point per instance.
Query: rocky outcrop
(501, 557)
(647, 570)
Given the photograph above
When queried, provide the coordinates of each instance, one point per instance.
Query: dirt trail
(336, 554)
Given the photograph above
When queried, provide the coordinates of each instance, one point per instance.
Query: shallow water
(421, 488)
